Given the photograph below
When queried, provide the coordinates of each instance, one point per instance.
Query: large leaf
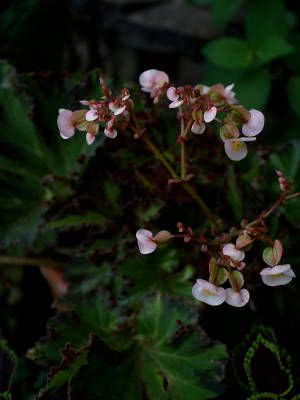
(229, 53)
(30, 136)
(8, 364)
(169, 359)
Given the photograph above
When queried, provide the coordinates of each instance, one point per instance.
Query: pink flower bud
(91, 115)
(198, 129)
(162, 237)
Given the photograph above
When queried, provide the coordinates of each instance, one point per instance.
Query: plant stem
(182, 147)
(40, 262)
(187, 187)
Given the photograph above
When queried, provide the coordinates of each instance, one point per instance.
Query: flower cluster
(226, 265)
(108, 112)
(201, 105)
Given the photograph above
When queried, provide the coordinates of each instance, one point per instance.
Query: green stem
(186, 186)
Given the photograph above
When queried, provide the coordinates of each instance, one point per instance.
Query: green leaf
(229, 53)
(288, 161)
(271, 48)
(77, 221)
(169, 359)
(293, 90)
(265, 19)
(253, 88)
(223, 11)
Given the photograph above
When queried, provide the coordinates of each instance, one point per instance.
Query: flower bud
(162, 237)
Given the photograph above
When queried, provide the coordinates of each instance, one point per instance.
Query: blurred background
(51, 54)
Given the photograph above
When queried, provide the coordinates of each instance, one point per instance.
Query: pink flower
(153, 79)
(278, 275)
(255, 124)
(65, 123)
(210, 114)
(109, 130)
(237, 298)
(115, 109)
(208, 293)
(145, 241)
(197, 128)
(174, 97)
(231, 251)
(236, 149)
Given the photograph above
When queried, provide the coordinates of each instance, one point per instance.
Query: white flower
(255, 124)
(115, 109)
(197, 128)
(237, 299)
(231, 251)
(278, 275)
(145, 241)
(236, 149)
(208, 293)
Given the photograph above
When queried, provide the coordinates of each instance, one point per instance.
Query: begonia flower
(231, 251)
(208, 293)
(236, 149)
(197, 128)
(237, 298)
(152, 80)
(278, 275)
(145, 241)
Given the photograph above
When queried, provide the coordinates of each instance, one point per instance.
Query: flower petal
(111, 133)
(91, 115)
(145, 241)
(208, 293)
(171, 94)
(90, 138)
(231, 251)
(278, 275)
(210, 114)
(237, 299)
(235, 149)
(198, 129)
(175, 104)
(255, 124)
(64, 123)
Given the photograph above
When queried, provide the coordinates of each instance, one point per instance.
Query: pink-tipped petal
(235, 149)
(231, 251)
(278, 275)
(145, 241)
(208, 293)
(198, 129)
(237, 299)
(65, 124)
(91, 115)
(210, 114)
(90, 138)
(255, 124)
(171, 94)
(115, 109)
(110, 133)
(176, 103)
